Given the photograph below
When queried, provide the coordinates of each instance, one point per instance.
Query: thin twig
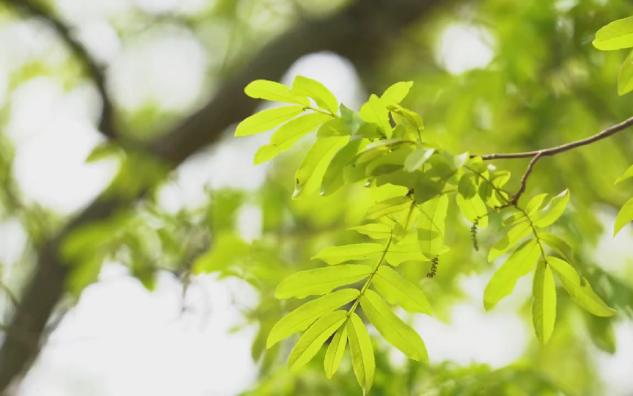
(524, 178)
(33, 8)
(605, 133)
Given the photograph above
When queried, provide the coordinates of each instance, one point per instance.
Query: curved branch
(547, 152)
(33, 8)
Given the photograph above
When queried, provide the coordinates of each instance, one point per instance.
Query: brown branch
(33, 8)
(547, 152)
(528, 171)
(362, 33)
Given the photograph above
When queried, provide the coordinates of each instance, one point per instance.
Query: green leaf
(335, 351)
(579, 288)
(554, 209)
(334, 175)
(311, 171)
(322, 96)
(559, 245)
(400, 291)
(431, 226)
(535, 203)
(543, 302)
(375, 112)
(505, 278)
(303, 316)
(626, 175)
(407, 249)
(362, 352)
(340, 254)
(625, 76)
(373, 230)
(227, 249)
(391, 327)
(624, 217)
(275, 92)
(615, 35)
(396, 93)
(388, 207)
(416, 159)
(470, 203)
(407, 118)
(312, 340)
(266, 120)
(511, 239)
(320, 281)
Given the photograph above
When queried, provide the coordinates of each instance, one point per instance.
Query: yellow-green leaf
(400, 291)
(552, 211)
(375, 112)
(320, 281)
(310, 173)
(625, 76)
(335, 351)
(505, 278)
(274, 91)
(543, 302)
(417, 158)
(512, 238)
(624, 217)
(626, 175)
(374, 230)
(322, 96)
(266, 120)
(362, 352)
(579, 288)
(312, 340)
(431, 225)
(303, 316)
(391, 327)
(340, 254)
(615, 35)
(396, 93)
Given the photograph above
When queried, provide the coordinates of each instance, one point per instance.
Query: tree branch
(33, 8)
(547, 152)
(361, 32)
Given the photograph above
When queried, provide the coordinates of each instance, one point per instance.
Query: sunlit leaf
(374, 230)
(579, 288)
(274, 91)
(310, 173)
(432, 225)
(335, 351)
(552, 211)
(522, 261)
(543, 302)
(312, 340)
(334, 177)
(391, 327)
(615, 35)
(320, 280)
(266, 120)
(375, 112)
(400, 291)
(362, 352)
(624, 217)
(416, 159)
(626, 175)
(515, 235)
(303, 316)
(305, 86)
(625, 76)
(340, 254)
(396, 93)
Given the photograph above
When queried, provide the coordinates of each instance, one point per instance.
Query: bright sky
(121, 340)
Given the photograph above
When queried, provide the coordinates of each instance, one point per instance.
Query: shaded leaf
(310, 173)
(579, 288)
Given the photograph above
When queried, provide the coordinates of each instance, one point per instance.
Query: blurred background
(140, 248)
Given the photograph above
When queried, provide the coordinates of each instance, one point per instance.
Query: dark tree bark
(361, 32)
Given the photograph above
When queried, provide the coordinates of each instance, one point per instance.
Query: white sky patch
(336, 73)
(166, 66)
(13, 241)
(124, 340)
(615, 370)
(613, 252)
(249, 222)
(463, 47)
(50, 149)
(497, 338)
